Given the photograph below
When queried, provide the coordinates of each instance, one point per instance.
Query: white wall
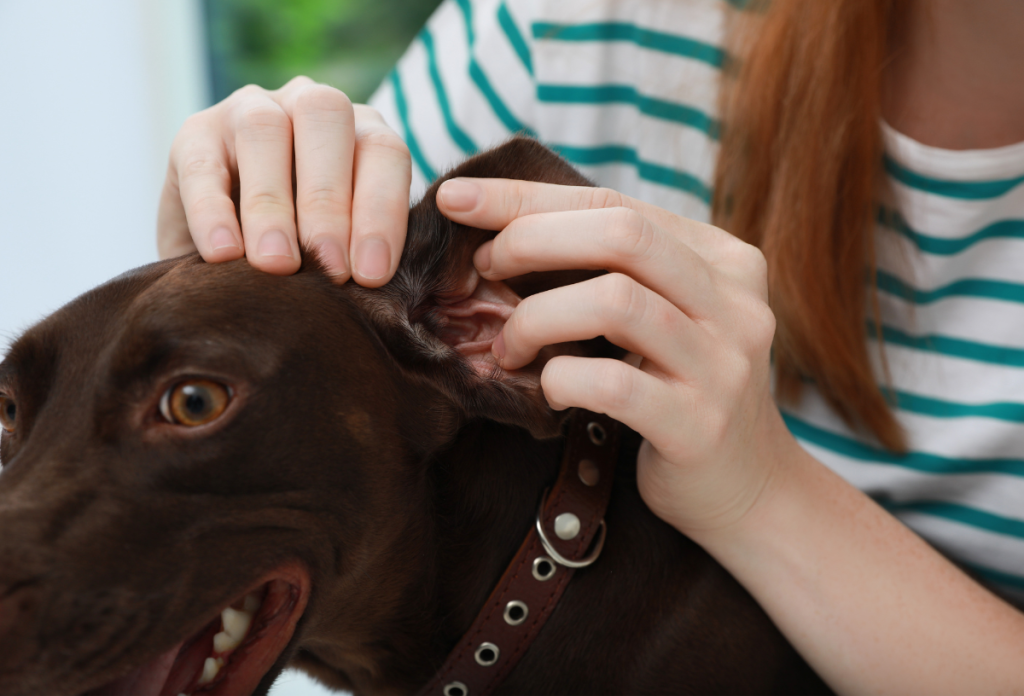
(91, 95)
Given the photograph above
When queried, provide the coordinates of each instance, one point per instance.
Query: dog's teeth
(223, 642)
(210, 669)
(252, 604)
(236, 623)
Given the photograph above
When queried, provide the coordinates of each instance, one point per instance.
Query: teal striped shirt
(627, 91)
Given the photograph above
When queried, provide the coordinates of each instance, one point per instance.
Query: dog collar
(569, 534)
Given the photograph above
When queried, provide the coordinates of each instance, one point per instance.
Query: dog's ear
(438, 318)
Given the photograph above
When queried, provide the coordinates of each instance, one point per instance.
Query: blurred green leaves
(350, 44)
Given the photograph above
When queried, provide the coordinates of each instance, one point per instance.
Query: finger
(614, 239)
(380, 201)
(172, 235)
(630, 396)
(491, 204)
(196, 210)
(324, 132)
(614, 306)
(263, 148)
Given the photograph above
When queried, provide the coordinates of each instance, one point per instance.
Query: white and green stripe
(628, 92)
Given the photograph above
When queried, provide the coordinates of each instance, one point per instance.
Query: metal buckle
(559, 558)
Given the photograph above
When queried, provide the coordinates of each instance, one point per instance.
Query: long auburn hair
(799, 175)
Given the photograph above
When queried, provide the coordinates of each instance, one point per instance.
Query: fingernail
(330, 255)
(222, 238)
(482, 259)
(459, 195)
(274, 243)
(498, 347)
(373, 258)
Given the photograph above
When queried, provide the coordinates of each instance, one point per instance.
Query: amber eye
(195, 402)
(8, 413)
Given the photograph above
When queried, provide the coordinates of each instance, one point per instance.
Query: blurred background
(350, 44)
(92, 95)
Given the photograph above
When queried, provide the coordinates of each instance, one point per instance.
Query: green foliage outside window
(349, 44)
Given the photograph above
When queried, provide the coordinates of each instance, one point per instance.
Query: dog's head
(190, 448)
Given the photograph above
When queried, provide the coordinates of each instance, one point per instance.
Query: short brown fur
(360, 447)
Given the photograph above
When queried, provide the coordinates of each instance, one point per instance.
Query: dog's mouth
(233, 652)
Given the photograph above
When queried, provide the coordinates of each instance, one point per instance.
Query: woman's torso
(627, 92)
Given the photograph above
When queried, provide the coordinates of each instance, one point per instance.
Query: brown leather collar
(570, 517)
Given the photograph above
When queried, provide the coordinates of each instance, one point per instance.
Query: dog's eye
(195, 402)
(8, 413)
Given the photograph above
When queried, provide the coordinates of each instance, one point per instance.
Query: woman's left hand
(688, 299)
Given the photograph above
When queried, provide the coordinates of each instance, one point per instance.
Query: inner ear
(469, 324)
(439, 318)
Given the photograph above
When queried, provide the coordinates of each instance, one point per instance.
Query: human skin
(869, 604)
(955, 81)
(351, 194)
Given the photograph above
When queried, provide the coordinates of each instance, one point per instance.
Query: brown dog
(342, 470)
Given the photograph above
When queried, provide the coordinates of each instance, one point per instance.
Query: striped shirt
(627, 92)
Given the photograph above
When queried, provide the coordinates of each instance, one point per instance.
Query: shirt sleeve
(464, 85)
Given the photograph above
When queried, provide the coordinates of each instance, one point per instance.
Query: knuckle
(517, 326)
(756, 261)
(323, 198)
(297, 81)
(628, 233)
(761, 323)
(191, 131)
(751, 261)
(196, 122)
(365, 112)
(382, 141)
(621, 298)
(613, 385)
(209, 205)
(745, 262)
(264, 118)
(265, 201)
(515, 200)
(601, 197)
(735, 375)
(247, 92)
(323, 101)
(200, 167)
(511, 244)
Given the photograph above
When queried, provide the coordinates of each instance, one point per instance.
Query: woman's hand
(688, 299)
(347, 199)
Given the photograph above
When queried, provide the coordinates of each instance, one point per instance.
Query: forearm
(869, 604)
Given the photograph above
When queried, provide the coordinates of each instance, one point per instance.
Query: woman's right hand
(230, 189)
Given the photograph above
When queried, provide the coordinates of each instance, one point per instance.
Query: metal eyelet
(516, 612)
(456, 688)
(597, 433)
(589, 473)
(543, 568)
(487, 654)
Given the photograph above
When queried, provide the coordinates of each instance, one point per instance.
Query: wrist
(785, 473)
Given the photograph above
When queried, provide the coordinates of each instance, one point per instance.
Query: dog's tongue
(147, 680)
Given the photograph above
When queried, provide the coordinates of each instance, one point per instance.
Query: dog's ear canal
(438, 317)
